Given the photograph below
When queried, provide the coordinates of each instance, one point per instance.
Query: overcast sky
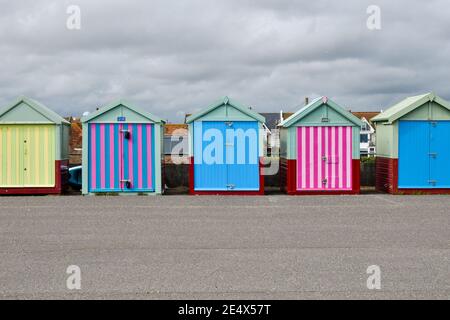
(172, 57)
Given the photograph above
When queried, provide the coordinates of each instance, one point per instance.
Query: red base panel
(288, 174)
(387, 179)
(224, 193)
(61, 176)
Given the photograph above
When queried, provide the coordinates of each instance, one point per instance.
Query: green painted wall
(227, 113)
(23, 113)
(387, 134)
(288, 137)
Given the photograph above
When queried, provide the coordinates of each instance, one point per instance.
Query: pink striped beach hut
(122, 151)
(319, 150)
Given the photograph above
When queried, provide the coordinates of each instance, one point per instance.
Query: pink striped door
(115, 160)
(324, 160)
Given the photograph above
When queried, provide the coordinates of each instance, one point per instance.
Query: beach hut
(122, 151)
(34, 151)
(413, 146)
(319, 150)
(226, 142)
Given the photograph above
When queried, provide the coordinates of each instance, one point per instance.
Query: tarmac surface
(181, 247)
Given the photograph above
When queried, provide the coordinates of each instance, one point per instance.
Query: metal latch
(324, 158)
(432, 182)
(324, 181)
(229, 123)
(126, 134)
(127, 183)
(231, 186)
(433, 155)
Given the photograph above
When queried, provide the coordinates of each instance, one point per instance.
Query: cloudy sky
(172, 57)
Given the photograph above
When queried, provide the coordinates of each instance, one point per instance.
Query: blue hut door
(209, 156)
(242, 156)
(424, 154)
(414, 159)
(226, 156)
(440, 154)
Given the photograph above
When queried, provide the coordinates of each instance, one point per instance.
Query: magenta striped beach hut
(123, 155)
(319, 151)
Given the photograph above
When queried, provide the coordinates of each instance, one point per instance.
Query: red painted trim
(289, 180)
(61, 180)
(422, 191)
(387, 179)
(191, 176)
(387, 175)
(225, 193)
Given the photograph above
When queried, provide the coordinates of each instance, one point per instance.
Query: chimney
(306, 101)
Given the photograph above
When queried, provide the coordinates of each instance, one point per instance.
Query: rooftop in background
(169, 129)
(272, 119)
(368, 115)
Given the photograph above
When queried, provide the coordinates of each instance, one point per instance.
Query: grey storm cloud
(172, 57)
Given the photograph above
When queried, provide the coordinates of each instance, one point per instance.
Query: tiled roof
(368, 115)
(169, 129)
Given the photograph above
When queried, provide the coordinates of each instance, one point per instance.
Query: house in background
(368, 133)
(176, 144)
(75, 141)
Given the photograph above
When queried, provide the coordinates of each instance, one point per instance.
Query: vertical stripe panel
(111, 156)
(319, 157)
(141, 147)
(341, 158)
(130, 156)
(145, 162)
(46, 159)
(124, 156)
(299, 158)
(150, 156)
(323, 155)
(311, 158)
(303, 174)
(117, 157)
(136, 148)
(307, 158)
(316, 162)
(102, 157)
(108, 155)
(93, 153)
(349, 158)
(9, 157)
(1, 156)
(344, 158)
(98, 171)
